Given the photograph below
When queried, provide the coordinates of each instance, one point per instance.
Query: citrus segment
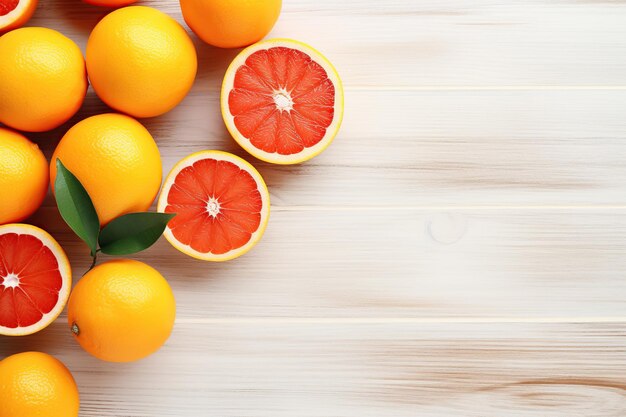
(221, 204)
(7, 6)
(282, 101)
(15, 13)
(35, 279)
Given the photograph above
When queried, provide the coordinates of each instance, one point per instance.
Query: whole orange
(23, 177)
(231, 23)
(42, 79)
(141, 61)
(34, 384)
(117, 161)
(121, 311)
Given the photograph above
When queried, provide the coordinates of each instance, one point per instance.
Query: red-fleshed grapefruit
(15, 13)
(35, 279)
(282, 101)
(221, 203)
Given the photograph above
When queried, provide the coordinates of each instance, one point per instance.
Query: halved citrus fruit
(222, 206)
(282, 101)
(35, 279)
(15, 13)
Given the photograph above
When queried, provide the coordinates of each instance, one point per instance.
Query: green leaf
(76, 206)
(133, 232)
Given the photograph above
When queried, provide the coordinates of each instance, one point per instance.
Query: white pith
(244, 142)
(11, 280)
(282, 99)
(219, 156)
(213, 207)
(64, 269)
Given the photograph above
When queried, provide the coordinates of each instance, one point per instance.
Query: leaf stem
(93, 263)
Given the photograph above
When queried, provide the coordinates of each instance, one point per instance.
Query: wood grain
(458, 251)
(405, 43)
(405, 263)
(453, 148)
(368, 370)
(500, 143)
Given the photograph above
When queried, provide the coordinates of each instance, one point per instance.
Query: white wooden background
(460, 250)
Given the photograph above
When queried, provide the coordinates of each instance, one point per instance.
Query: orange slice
(35, 279)
(15, 13)
(222, 206)
(282, 101)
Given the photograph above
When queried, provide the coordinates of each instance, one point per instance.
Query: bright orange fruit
(117, 161)
(121, 311)
(23, 177)
(141, 61)
(42, 79)
(34, 384)
(231, 23)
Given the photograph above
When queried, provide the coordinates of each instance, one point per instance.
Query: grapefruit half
(15, 13)
(221, 202)
(282, 101)
(35, 279)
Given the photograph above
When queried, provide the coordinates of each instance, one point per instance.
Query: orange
(141, 61)
(42, 79)
(15, 13)
(122, 311)
(35, 279)
(231, 23)
(110, 3)
(23, 177)
(222, 206)
(282, 101)
(34, 384)
(117, 161)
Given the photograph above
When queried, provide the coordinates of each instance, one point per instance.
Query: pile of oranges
(281, 100)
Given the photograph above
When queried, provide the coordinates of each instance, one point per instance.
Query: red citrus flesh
(218, 206)
(30, 280)
(282, 100)
(7, 6)
(15, 13)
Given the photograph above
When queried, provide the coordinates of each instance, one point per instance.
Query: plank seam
(449, 208)
(487, 88)
(434, 88)
(400, 320)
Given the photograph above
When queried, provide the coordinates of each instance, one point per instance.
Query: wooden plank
(404, 263)
(457, 252)
(368, 370)
(428, 43)
(453, 148)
